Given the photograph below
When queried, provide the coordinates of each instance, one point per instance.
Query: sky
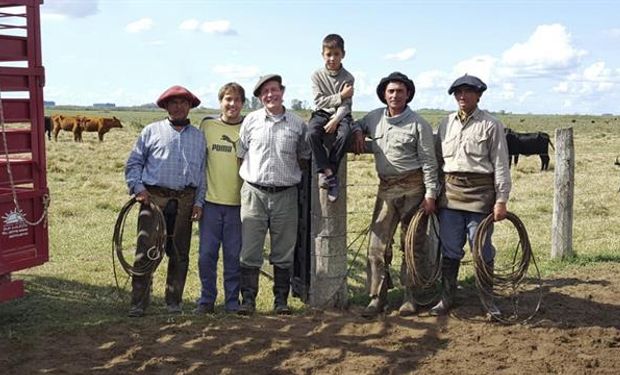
(542, 57)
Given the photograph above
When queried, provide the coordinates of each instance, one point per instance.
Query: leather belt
(170, 193)
(270, 189)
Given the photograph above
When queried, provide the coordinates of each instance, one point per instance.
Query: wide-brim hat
(467, 80)
(177, 91)
(264, 79)
(399, 77)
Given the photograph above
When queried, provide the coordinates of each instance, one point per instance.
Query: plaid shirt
(168, 158)
(271, 148)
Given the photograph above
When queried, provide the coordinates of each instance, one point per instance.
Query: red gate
(23, 185)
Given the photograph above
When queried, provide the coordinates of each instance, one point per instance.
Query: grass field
(76, 287)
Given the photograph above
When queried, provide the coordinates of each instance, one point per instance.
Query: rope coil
(154, 254)
(493, 285)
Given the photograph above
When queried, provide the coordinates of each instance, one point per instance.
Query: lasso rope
(422, 228)
(492, 284)
(154, 254)
(45, 198)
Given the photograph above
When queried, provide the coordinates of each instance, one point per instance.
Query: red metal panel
(22, 245)
(14, 48)
(16, 110)
(10, 289)
(22, 171)
(18, 141)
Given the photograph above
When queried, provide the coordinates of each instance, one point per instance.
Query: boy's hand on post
(347, 91)
(331, 126)
(359, 145)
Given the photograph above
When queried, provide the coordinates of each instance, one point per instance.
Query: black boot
(449, 275)
(486, 294)
(248, 284)
(281, 288)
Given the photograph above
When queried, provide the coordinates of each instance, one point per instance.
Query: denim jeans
(316, 138)
(220, 226)
(456, 226)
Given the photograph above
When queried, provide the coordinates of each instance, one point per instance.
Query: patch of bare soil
(576, 332)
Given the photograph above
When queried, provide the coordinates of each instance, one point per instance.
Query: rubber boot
(377, 300)
(487, 292)
(248, 284)
(140, 295)
(449, 275)
(281, 288)
(409, 306)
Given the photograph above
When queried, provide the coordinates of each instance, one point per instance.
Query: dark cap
(399, 77)
(264, 79)
(467, 80)
(177, 91)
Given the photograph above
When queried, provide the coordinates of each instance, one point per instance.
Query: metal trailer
(23, 185)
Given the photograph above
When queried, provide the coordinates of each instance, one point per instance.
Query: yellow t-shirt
(223, 181)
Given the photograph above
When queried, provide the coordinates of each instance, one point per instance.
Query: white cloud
(70, 8)
(190, 24)
(432, 79)
(403, 55)
(140, 25)
(237, 71)
(548, 49)
(614, 33)
(221, 27)
(483, 67)
(594, 79)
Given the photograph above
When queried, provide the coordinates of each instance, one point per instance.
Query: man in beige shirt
(473, 156)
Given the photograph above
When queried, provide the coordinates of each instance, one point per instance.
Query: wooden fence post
(562, 223)
(328, 246)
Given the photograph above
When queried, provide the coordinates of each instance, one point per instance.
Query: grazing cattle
(101, 125)
(72, 124)
(528, 144)
(47, 120)
(617, 163)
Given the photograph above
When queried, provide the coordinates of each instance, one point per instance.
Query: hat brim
(385, 81)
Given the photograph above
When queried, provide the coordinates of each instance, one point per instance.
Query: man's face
(178, 108)
(396, 95)
(333, 58)
(271, 96)
(467, 98)
(231, 105)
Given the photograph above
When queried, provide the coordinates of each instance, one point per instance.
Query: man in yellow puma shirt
(221, 223)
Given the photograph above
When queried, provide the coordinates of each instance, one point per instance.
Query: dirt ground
(577, 331)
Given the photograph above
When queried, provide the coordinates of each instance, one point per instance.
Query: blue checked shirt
(168, 158)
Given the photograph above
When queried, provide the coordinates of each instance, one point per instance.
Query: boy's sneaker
(323, 181)
(332, 188)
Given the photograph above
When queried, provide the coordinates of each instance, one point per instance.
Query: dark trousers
(317, 138)
(177, 248)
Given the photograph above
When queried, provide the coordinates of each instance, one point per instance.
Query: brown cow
(101, 125)
(74, 124)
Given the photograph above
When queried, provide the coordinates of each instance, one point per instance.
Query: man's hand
(331, 126)
(196, 213)
(428, 205)
(499, 211)
(347, 91)
(358, 145)
(143, 197)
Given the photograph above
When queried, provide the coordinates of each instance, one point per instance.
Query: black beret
(399, 77)
(264, 79)
(467, 80)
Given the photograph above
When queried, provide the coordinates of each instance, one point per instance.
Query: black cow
(617, 163)
(528, 144)
(48, 127)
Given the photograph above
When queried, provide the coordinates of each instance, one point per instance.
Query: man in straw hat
(407, 168)
(271, 145)
(474, 158)
(166, 168)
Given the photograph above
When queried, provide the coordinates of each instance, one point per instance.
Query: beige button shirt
(478, 146)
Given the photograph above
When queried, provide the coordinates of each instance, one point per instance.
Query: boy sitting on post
(332, 87)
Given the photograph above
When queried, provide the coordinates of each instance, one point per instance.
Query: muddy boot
(140, 295)
(409, 306)
(281, 288)
(377, 299)
(248, 284)
(486, 294)
(449, 275)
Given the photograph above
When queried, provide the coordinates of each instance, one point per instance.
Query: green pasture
(76, 287)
